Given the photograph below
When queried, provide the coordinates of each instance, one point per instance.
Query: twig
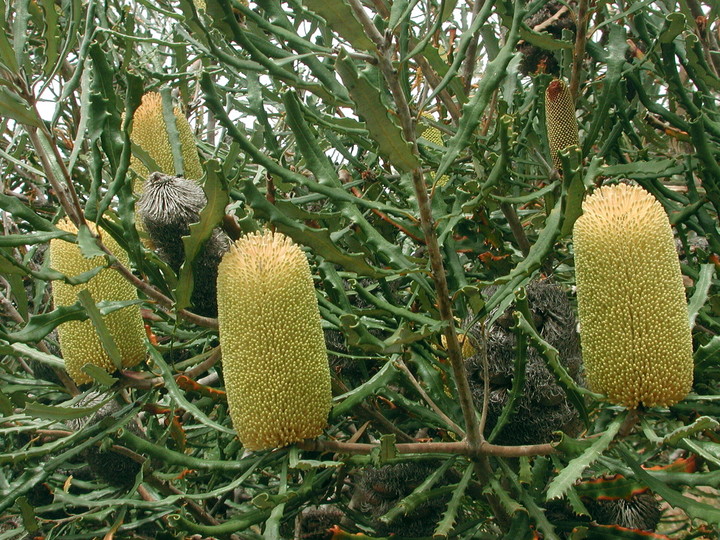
(206, 364)
(554, 17)
(457, 429)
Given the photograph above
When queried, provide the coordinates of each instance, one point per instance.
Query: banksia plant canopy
(634, 325)
(79, 341)
(274, 359)
(562, 127)
(149, 132)
(415, 299)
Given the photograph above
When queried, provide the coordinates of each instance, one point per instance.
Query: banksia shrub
(634, 326)
(274, 359)
(149, 132)
(562, 127)
(79, 341)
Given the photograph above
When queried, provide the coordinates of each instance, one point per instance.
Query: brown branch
(516, 227)
(579, 53)
(458, 448)
(471, 52)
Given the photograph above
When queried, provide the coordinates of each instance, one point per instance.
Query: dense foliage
(403, 145)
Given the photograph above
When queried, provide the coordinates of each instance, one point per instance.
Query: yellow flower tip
(149, 132)
(79, 341)
(275, 363)
(634, 327)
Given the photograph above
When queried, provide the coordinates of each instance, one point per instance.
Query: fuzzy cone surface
(275, 363)
(79, 342)
(562, 127)
(149, 132)
(634, 328)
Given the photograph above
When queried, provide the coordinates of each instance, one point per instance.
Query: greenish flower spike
(634, 327)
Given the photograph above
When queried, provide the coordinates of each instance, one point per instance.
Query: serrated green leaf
(178, 396)
(574, 470)
(473, 110)
(25, 351)
(345, 402)
(55, 412)
(51, 35)
(20, 30)
(88, 244)
(101, 376)
(674, 24)
(216, 194)
(106, 339)
(702, 289)
(341, 18)
(6, 406)
(28, 515)
(13, 106)
(369, 106)
(7, 54)
(16, 240)
(20, 211)
(445, 526)
(617, 487)
(318, 240)
(692, 507)
(544, 40)
(40, 326)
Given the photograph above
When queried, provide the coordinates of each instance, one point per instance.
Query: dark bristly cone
(562, 126)
(640, 511)
(167, 207)
(547, 20)
(384, 487)
(542, 407)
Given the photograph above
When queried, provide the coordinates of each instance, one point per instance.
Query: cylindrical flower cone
(562, 127)
(79, 341)
(149, 132)
(275, 363)
(634, 327)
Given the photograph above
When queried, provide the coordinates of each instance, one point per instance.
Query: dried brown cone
(562, 127)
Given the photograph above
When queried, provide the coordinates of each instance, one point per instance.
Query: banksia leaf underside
(634, 328)
(149, 132)
(562, 127)
(79, 341)
(274, 358)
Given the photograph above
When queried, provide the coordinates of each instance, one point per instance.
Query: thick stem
(427, 222)
(471, 54)
(579, 53)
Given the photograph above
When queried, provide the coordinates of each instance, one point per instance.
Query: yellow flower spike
(634, 327)
(562, 127)
(275, 362)
(149, 133)
(79, 341)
